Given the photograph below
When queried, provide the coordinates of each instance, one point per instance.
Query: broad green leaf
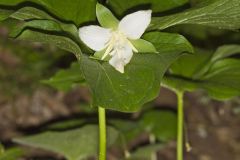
(226, 51)
(66, 79)
(100, 54)
(105, 17)
(4, 14)
(12, 154)
(223, 14)
(30, 13)
(40, 20)
(144, 46)
(67, 124)
(128, 129)
(190, 65)
(45, 25)
(145, 152)
(168, 42)
(59, 41)
(216, 73)
(74, 144)
(74, 11)
(155, 124)
(121, 6)
(124, 92)
(141, 81)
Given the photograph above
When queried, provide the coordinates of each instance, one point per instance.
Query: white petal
(126, 53)
(117, 63)
(121, 57)
(95, 37)
(134, 25)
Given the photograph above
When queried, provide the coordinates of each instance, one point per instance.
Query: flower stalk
(180, 126)
(102, 133)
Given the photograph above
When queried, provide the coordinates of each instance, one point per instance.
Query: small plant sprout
(116, 42)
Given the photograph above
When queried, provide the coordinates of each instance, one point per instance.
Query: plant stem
(152, 139)
(102, 133)
(180, 126)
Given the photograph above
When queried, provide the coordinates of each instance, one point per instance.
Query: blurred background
(28, 103)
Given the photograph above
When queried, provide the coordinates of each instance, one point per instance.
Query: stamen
(132, 46)
(108, 50)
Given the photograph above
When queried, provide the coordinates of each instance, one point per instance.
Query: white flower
(116, 42)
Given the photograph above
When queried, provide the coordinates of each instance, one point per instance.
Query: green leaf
(4, 14)
(66, 79)
(12, 154)
(45, 25)
(123, 92)
(121, 6)
(141, 81)
(168, 42)
(105, 17)
(216, 73)
(144, 46)
(226, 51)
(223, 14)
(30, 13)
(74, 144)
(74, 11)
(128, 129)
(155, 124)
(62, 42)
(192, 65)
(145, 152)
(38, 19)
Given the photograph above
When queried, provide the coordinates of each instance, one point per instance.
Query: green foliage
(155, 124)
(121, 6)
(12, 154)
(144, 46)
(130, 129)
(56, 22)
(223, 14)
(69, 11)
(141, 81)
(74, 144)
(62, 42)
(145, 152)
(105, 17)
(66, 79)
(169, 42)
(217, 73)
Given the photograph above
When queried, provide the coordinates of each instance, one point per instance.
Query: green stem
(180, 126)
(152, 139)
(102, 133)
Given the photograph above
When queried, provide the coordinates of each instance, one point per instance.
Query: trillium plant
(125, 62)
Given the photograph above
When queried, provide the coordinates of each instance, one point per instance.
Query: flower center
(117, 43)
